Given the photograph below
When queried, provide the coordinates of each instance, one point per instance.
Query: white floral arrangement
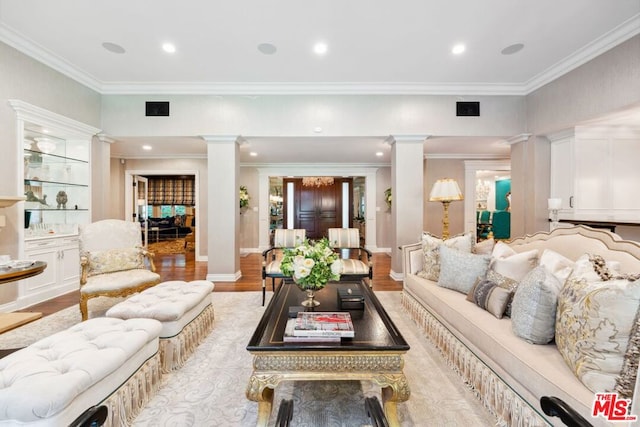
(244, 197)
(311, 264)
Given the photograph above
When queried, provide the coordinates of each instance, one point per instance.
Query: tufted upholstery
(282, 239)
(112, 261)
(183, 308)
(52, 380)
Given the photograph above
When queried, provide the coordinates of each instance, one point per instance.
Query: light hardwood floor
(184, 267)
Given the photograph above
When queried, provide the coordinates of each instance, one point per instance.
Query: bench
(183, 308)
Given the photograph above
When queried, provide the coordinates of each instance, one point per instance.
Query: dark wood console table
(10, 274)
(608, 225)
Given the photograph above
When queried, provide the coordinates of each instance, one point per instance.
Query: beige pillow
(597, 332)
(512, 264)
(112, 260)
(586, 268)
(489, 296)
(558, 265)
(430, 243)
(484, 247)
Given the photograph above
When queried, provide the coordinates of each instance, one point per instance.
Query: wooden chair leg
(84, 312)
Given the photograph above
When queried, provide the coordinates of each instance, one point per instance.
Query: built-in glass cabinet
(56, 182)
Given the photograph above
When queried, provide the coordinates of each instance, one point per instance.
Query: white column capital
(103, 137)
(221, 139)
(392, 139)
(523, 137)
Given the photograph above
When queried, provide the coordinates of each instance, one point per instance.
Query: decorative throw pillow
(558, 265)
(598, 333)
(180, 220)
(459, 270)
(533, 310)
(484, 247)
(509, 263)
(430, 244)
(594, 268)
(113, 260)
(505, 283)
(489, 296)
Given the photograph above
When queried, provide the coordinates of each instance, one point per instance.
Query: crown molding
(618, 35)
(48, 58)
(468, 156)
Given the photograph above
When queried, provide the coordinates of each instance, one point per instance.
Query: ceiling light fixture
(317, 129)
(514, 48)
(113, 48)
(317, 181)
(146, 147)
(169, 47)
(379, 154)
(267, 48)
(458, 49)
(320, 48)
(253, 154)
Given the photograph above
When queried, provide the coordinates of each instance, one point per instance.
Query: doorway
(316, 208)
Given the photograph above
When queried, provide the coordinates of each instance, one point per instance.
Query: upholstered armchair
(113, 262)
(346, 240)
(271, 258)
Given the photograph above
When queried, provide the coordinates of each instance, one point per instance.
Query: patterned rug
(209, 390)
(174, 246)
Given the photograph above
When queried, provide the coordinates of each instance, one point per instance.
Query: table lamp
(445, 190)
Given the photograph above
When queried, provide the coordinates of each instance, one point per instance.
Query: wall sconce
(445, 190)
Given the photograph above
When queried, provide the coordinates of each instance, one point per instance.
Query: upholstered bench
(183, 308)
(112, 362)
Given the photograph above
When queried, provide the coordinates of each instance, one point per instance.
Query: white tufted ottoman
(183, 308)
(112, 362)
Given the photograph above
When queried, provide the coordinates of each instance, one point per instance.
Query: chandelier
(317, 181)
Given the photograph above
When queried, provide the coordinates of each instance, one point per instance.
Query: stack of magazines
(319, 327)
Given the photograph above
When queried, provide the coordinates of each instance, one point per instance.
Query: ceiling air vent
(468, 109)
(154, 109)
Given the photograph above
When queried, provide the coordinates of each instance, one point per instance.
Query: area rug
(209, 390)
(174, 246)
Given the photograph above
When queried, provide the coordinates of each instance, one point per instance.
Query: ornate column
(223, 207)
(407, 185)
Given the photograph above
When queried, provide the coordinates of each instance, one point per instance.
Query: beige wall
(383, 213)
(28, 80)
(249, 217)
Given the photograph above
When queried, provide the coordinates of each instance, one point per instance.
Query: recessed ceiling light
(146, 147)
(458, 49)
(317, 129)
(253, 154)
(510, 50)
(267, 48)
(113, 48)
(320, 48)
(379, 154)
(169, 47)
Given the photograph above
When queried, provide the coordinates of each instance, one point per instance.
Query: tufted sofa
(105, 361)
(509, 374)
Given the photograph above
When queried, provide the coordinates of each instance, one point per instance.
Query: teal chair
(501, 225)
(483, 224)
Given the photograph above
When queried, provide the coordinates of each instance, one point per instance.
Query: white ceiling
(373, 47)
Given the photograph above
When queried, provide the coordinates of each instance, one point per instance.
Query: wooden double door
(316, 209)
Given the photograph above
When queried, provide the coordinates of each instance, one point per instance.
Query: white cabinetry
(594, 171)
(54, 166)
(62, 274)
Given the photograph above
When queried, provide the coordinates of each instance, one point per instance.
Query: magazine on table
(325, 324)
(290, 338)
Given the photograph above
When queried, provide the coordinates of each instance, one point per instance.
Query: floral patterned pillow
(430, 243)
(598, 331)
(112, 260)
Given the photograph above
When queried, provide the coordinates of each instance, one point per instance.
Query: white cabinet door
(592, 170)
(70, 264)
(625, 175)
(562, 172)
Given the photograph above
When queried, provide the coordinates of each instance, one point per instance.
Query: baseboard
(246, 251)
(224, 277)
(398, 277)
(376, 249)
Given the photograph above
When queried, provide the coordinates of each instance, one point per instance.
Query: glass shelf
(29, 181)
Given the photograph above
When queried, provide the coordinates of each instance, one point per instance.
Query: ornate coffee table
(375, 354)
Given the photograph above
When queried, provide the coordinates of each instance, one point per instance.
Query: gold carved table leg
(394, 389)
(260, 389)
